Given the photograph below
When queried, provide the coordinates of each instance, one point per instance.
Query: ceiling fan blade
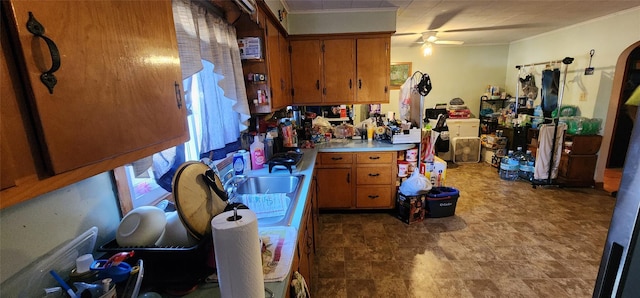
(504, 27)
(403, 34)
(449, 42)
(443, 18)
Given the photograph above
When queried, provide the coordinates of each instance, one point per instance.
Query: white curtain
(205, 37)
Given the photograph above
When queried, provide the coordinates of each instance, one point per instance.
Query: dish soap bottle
(257, 153)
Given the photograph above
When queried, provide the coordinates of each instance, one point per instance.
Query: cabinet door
(16, 160)
(306, 71)
(334, 188)
(285, 58)
(339, 70)
(274, 62)
(118, 83)
(373, 67)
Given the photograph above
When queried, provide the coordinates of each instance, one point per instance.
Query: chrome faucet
(231, 185)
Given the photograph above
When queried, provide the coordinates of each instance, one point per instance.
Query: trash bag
(416, 184)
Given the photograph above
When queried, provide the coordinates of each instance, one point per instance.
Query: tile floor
(506, 240)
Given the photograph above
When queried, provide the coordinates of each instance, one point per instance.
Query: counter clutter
(278, 241)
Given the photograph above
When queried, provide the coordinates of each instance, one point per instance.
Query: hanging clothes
(404, 102)
(550, 87)
(543, 154)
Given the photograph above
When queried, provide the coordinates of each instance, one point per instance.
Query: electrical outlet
(583, 96)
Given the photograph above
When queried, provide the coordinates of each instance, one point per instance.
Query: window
(216, 100)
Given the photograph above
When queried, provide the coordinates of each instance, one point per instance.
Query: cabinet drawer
(374, 175)
(336, 158)
(374, 196)
(375, 157)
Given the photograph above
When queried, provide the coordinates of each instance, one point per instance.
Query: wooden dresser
(577, 167)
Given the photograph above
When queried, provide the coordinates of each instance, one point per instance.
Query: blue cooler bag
(441, 201)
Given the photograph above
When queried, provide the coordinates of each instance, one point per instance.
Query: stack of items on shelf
(457, 109)
(494, 147)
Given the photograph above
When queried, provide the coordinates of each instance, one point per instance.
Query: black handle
(324, 90)
(373, 196)
(374, 175)
(318, 84)
(359, 84)
(176, 86)
(210, 178)
(336, 158)
(348, 177)
(350, 83)
(47, 77)
(374, 157)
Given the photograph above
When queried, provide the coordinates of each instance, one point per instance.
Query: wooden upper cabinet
(339, 70)
(275, 64)
(353, 68)
(117, 98)
(285, 56)
(373, 67)
(118, 84)
(306, 71)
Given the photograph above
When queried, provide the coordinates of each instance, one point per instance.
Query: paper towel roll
(238, 254)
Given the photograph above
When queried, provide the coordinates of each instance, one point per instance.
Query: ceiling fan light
(431, 38)
(427, 49)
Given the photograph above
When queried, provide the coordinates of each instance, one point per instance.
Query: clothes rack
(566, 61)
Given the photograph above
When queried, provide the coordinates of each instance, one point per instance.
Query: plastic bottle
(509, 167)
(518, 154)
(257, 153)
(527, 166)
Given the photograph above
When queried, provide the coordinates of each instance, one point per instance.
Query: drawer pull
(374, 157)
(348, 177)
(374, 174)
(336, 158)
(373, 196)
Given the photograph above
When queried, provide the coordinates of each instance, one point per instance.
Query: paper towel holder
(235, 216)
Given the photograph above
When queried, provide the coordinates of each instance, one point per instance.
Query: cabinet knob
(336, 158)
(374, 174)
(47, 77)
(373, 196)
(374, 157)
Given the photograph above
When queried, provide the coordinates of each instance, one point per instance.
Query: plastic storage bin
(441, 201)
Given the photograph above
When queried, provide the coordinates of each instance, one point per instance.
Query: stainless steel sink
(259, 193)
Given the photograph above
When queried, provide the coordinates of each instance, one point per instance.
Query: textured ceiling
(474, 22)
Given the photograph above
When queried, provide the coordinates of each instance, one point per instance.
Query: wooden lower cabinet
(356, 180)
(303, 260)
(335, 188)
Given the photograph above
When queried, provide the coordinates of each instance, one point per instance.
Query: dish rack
(170, 267)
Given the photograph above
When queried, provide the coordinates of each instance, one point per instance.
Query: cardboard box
(435, 171)
(410, 208)
(250, 48)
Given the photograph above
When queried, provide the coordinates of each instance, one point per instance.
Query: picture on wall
(400, 72)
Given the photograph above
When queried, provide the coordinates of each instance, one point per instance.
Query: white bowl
(141, 227)
(175, 233)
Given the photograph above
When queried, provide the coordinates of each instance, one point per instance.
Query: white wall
(33, 228)
(608, 36)
(455, 71)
